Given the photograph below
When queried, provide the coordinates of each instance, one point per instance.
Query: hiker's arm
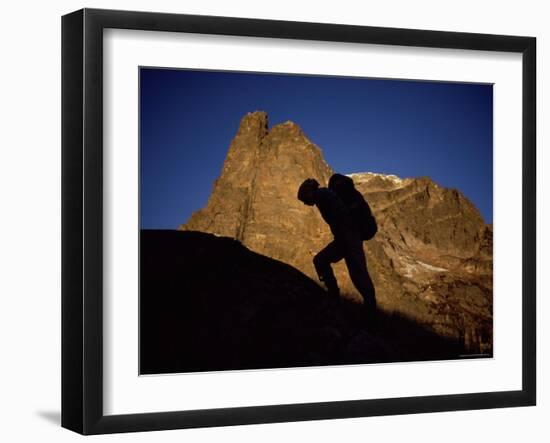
(332, 208)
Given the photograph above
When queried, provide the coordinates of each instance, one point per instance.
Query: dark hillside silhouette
(208, 303)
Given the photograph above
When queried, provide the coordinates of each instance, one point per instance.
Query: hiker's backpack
(360, 211)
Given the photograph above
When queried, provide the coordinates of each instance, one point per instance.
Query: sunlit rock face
(431, 259)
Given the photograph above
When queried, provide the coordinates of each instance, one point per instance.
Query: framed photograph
(268, 221)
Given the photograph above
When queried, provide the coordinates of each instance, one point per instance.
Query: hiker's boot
(333, 298)
(371, 317)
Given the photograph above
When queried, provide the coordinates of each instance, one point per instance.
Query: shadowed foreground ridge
(208, 303)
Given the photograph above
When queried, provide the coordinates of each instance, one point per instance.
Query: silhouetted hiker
(347, 243)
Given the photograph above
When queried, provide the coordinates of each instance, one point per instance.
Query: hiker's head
(307, 191)
(340, 183)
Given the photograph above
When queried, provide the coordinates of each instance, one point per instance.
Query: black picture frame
(82, 218)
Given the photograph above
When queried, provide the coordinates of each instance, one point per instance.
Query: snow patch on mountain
(364, 177)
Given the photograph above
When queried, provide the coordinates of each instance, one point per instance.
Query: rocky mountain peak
(256, 191)
(254, 122)
(431, 259)
(287, 128)
(373, 180)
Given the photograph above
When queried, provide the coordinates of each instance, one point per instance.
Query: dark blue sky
(406, 128)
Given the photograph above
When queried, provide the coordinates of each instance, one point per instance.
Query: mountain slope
(208, 303)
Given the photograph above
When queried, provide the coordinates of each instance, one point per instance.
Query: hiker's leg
(332, 253)
(359, 274)
(357, 268)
